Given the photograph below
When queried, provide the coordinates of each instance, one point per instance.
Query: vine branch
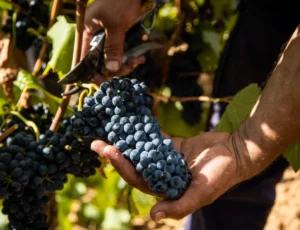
(8, 132)
(187, 99)
(80, 11)
(39, 62)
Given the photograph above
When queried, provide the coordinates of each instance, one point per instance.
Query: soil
(285, 214)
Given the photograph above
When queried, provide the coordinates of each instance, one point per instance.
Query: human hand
(116, 18)
(213, 164)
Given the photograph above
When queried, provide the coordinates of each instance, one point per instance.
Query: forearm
(274, 122)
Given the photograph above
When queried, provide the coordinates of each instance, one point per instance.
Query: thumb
(113, 49)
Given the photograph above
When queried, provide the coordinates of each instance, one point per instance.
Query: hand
(214, 167)
(116, 17)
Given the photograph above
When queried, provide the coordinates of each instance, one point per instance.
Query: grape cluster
(40, 114)
(24, 197)
(36, 10)
(78, 158)
(29, 169)
(119, 114)
(26, 212)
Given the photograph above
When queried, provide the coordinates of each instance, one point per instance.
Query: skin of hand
(219, 161)
(115, 17)
(211, 159)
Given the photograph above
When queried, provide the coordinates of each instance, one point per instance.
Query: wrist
(252, 150)
(236, 144)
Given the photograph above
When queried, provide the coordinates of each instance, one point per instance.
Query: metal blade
(73, 75)
(85, 69)
(140, 50)
(74, 90)
(82, 72)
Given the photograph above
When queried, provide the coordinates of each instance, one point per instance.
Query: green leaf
(292, 154)
(208, 58)
(5, 5)
(213, 39)
(200, 2)
(26, 81)
(62, 35)
(239, 108)
(3, 100)
(170, 114)
(132, 208)
(221, 6)
(143, 202)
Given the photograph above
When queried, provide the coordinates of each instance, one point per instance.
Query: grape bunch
(119, 114)
(30, 169)
(78, 158)
(24, 198)
(37, 12)
(40, 114)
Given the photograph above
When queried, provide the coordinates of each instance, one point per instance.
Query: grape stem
(9, 131)
(39, 62)
(81, 98)
(28, 123)
(187, 99)
(80, 11)
(91, 87)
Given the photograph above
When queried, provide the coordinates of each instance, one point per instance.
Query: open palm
(210, 158)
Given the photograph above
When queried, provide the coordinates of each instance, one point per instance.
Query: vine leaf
(239, 108)
(62, 51)
(5, 5)
(25, 81)
(3, 100)
(169, 115)
(292, 154)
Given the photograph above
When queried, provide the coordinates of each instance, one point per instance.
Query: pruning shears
(94, 61)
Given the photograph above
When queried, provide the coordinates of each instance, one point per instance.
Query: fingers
(187, 204)
(128, 67)
(91, 27)
(86, 40)
(113, 49)
(123, 166)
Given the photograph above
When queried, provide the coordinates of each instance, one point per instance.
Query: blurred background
(193, 33)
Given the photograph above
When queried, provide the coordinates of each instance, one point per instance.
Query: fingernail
(112, 65)
(93, 146)
(159, 216)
